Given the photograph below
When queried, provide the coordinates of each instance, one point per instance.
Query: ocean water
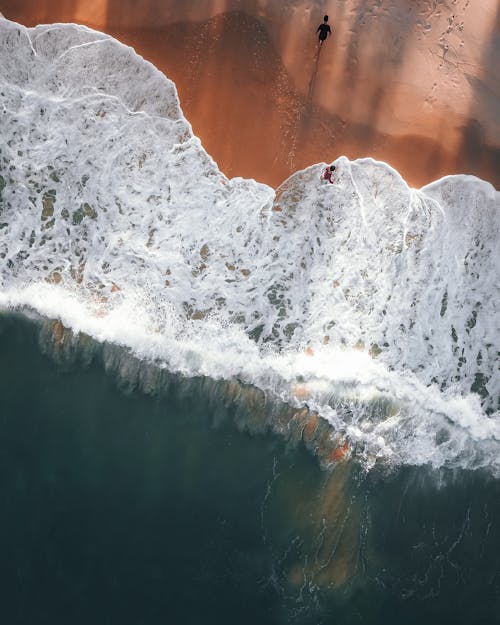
(226, 402)
(374, 304)
(120, 506)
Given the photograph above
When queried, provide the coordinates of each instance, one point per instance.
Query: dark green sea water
(120, 507)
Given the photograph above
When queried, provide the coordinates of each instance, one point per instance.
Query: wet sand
(414, 86)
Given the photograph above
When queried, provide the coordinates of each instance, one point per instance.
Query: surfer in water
(324, 30)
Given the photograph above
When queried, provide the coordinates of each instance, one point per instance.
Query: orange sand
(264, 105)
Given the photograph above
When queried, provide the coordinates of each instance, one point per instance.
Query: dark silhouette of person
(324, 30)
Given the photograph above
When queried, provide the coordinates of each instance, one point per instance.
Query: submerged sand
(412, 83)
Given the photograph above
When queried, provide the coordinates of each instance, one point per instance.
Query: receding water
(121, 507)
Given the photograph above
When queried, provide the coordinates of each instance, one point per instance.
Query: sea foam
(375, 304)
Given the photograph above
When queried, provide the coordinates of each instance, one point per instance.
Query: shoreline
(256, 121)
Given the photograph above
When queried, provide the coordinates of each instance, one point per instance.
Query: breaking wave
(374, 304)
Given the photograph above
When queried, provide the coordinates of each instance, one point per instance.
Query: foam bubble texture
(114, 219)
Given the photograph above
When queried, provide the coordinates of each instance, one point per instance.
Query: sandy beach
(415, 86)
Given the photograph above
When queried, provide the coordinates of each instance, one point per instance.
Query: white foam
(115, 220)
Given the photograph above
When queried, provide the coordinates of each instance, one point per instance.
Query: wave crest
(374, 303)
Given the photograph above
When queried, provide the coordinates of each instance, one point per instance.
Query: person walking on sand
(324, 30)
(327, 174)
